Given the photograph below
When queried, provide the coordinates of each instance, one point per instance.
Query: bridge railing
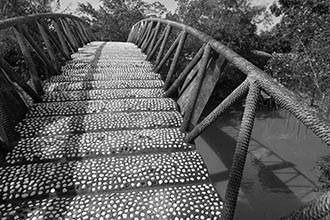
(194, 85)
(41, 38)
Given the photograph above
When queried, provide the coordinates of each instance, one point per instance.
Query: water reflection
(280, 173)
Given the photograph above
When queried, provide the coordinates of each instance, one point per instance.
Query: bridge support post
(243, 140)
(29, 61)
(49, 46)
(62, 39)
(175, 60)
(191, 103)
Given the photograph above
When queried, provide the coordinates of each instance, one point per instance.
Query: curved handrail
(145, 35)
(9, 22)
(282, 95)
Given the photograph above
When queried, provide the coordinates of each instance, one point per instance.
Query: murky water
(280, 172)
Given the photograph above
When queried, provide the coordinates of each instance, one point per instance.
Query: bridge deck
(104, 144)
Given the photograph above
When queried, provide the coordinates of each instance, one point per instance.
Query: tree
(14, 8)
(232, 22)
(305, 25)
(114, 19)
(305, 68)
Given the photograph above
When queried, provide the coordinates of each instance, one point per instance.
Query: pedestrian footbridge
(109, 137)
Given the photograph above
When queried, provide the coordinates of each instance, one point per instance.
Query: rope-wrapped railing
(152, 36)
(60, 36)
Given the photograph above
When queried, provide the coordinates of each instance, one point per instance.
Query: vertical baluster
(179, 81)
(62, 39)
(229, 101)
(148, 38)
(131, 33)
(168, 53)
(72, 39)
(138, 33)
(162, 47)
(145, 31)
(86, 31)
(28, 60)
(4, 136)
(13, 76)
(190, 106)
(142, 32)
(81, 32)
(237, 167)
(175, 60)
(90, 34)
(159, 41)
(4, 142)
(77, 35)
(54, 40)
(151, 45)
(65, 34)
(49, 46)
(146, 35)
(39, 51)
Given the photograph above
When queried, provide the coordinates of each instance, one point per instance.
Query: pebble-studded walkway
(104, 144)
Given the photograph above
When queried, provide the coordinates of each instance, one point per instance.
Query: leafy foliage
(114, 19)
(305, 26)
(13, 8)
(305, 65)
(232, 22)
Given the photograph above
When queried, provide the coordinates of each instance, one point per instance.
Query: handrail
(30, 18)
(208, 62)
(60, 36)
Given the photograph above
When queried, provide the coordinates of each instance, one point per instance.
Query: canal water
(281, 169)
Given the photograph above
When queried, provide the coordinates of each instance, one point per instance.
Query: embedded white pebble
(96, 143)
(98, 174)
(102, 74)
(164, 203)
(111, 84)
(83, 157)
(101, 106)
(102, 94)
(43, 126)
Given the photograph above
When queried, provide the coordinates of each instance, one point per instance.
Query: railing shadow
(271, 187)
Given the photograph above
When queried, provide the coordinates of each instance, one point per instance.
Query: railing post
(3, 137)
(175, 60)
(39, 51)
(138, 35)
(243, 140)
(72, 39)
(131, 34)
(145, 35)
(82, 31)
(236, 95)
(61, 37)
(151, 45)
(12, 75)
(49, 46)
(66, 37)
(142, 33)
(190, 106)
(179, 81)
(154, 48)
(76, 34)
(54, 40)
(162, 46)
(28, 59)
(168, 53)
